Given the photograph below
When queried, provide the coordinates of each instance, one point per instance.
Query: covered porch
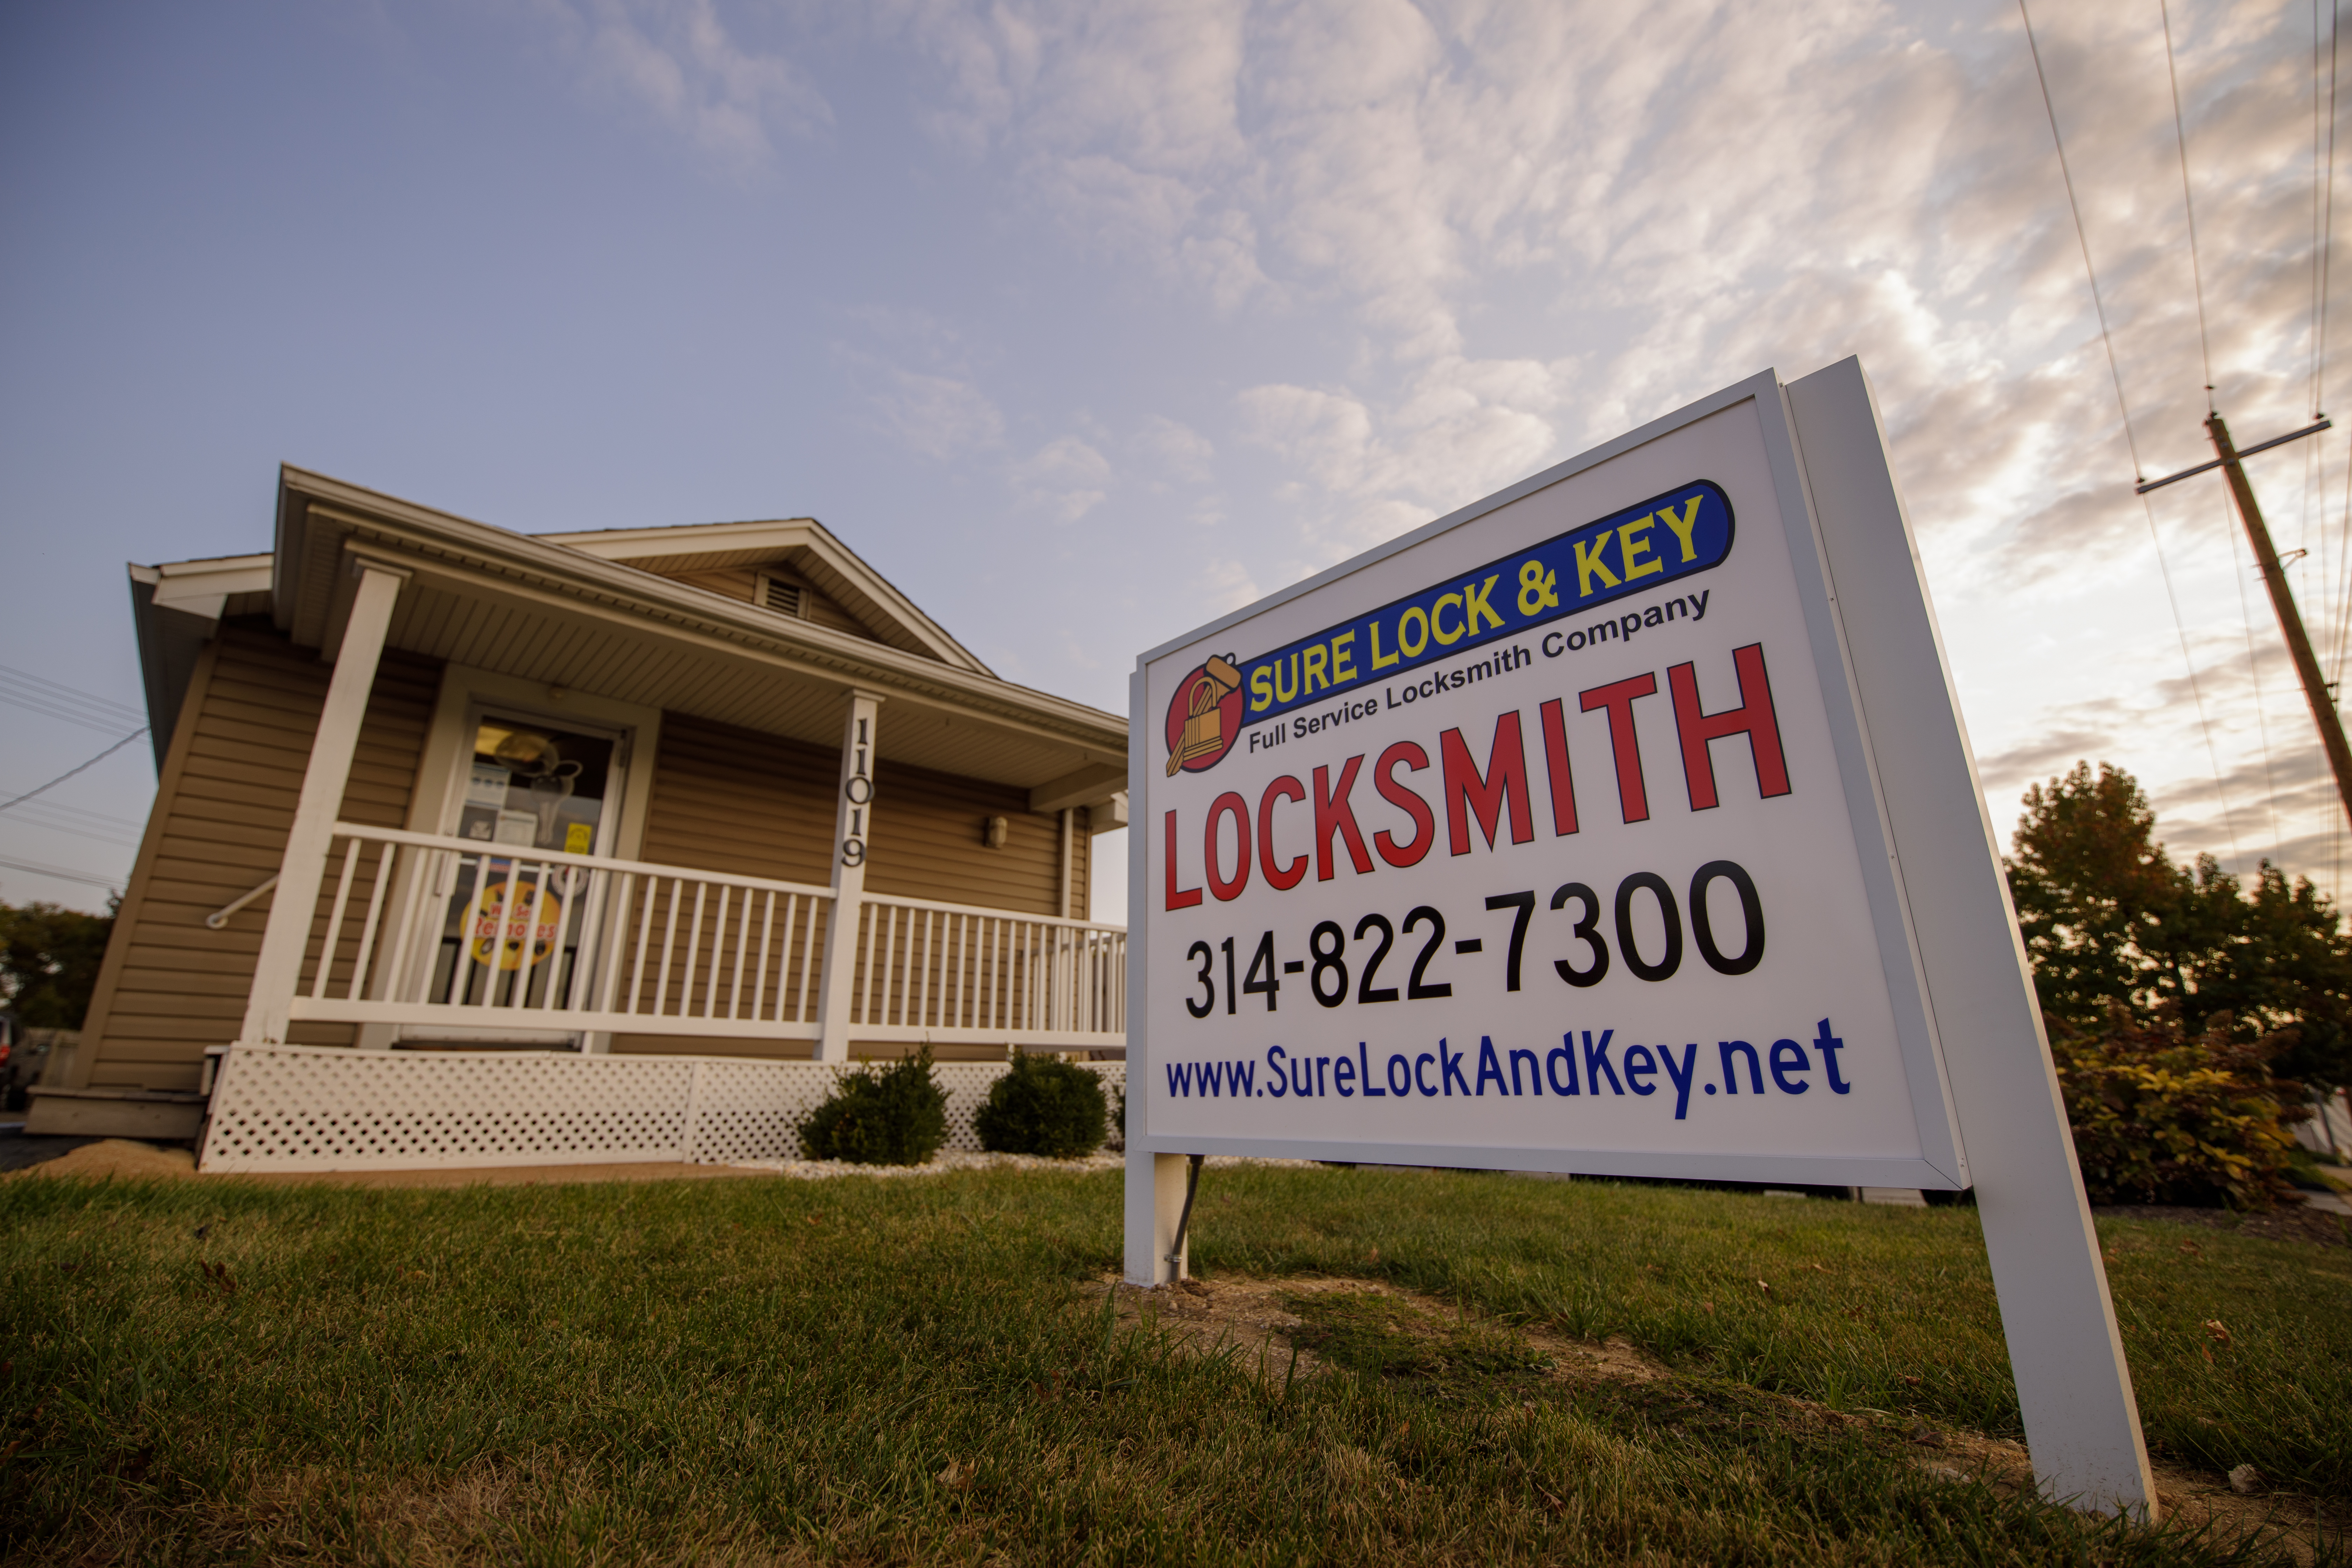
(718, 792)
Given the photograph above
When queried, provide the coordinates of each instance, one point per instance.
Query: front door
(513, 925)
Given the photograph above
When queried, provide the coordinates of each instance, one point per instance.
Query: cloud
(1065, 477)
(1530, 228)
(1226, 586)
(678, 61)
(936, 416)
(1182, 452)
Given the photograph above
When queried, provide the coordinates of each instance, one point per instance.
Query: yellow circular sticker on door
(533, 917)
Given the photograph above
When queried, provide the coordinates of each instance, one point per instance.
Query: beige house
(719, 791)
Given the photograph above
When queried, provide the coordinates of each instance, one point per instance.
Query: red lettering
(1424, 825)
(1233, 805)
(1283, 877)
(1505, 781)
(1632, 799)
(1332, 812)
(1177, 898)
(1753, 718)
(1563, 782)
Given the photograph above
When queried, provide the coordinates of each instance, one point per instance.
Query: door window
(510, 929)
(534, 786)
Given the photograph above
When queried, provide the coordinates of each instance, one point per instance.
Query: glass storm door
(511, 927)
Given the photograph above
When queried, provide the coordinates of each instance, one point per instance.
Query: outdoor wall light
(997, 831)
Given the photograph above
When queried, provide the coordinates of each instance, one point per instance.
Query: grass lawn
(928, 1370)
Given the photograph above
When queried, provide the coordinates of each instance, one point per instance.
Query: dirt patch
(113, 1157)
(2298, 1224)
(1254, 1317)
(1245, 1316)
(1278, 1327)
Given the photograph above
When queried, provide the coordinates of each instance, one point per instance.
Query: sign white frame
(1969, 1028)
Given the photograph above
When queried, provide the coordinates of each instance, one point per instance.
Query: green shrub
(892, 1115)
(1043, 1106)
(2163, 1116)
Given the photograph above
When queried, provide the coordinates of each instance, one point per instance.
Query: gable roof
(805, 545)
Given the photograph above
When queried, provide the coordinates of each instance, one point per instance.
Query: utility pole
(2306, 664)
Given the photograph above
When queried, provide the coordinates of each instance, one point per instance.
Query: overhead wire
(2123, 405)
(2205, 352)
(38, 702)
(82, 767)
(35, 869)
(54, 699)
(2322, 199)
(2315, 454)
(31, 816)
(2188, 203)
(85, 816)
(2332, 603)
(2066, 173)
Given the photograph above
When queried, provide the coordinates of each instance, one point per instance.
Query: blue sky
(1087, 322)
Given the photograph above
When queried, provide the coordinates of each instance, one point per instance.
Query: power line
(33, 703)
(38, 870)
(69, 773)
(83, 814)
(70, 697)
(29, 819)
(2123, 405)
(2318, 259)
(2098, 305)
(2180, 141)
(2327, 220)
(2213, 756)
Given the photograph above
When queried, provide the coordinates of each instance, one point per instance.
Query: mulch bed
(2280, 1225)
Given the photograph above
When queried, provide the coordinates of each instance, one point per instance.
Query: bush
(2163, 1116)
(893, 1115)
(1043, 1106)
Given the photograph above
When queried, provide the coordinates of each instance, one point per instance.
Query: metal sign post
(1621, 824)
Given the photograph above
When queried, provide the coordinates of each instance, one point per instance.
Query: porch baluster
(335, 919)
(375, 922)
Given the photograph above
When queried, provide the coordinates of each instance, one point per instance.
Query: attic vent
(779, 596)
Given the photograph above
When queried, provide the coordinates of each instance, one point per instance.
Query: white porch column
(278, 968)
(853, 823)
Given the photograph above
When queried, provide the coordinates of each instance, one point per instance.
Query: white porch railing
(427, 931)
(417, 929)
(951, 973)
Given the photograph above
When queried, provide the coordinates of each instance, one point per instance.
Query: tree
(50, 958)
(2111, 922)
(2093, 890)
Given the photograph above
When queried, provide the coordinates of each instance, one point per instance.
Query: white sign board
(1619, 824)
(1542, 839)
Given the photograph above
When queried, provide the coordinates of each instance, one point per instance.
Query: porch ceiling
(541, 612)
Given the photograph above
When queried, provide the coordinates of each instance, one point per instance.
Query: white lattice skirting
(321, 1108)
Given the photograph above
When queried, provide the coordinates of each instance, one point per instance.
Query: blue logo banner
(1679, 534)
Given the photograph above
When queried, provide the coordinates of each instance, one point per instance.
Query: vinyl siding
(171, 986)
(730, 799)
